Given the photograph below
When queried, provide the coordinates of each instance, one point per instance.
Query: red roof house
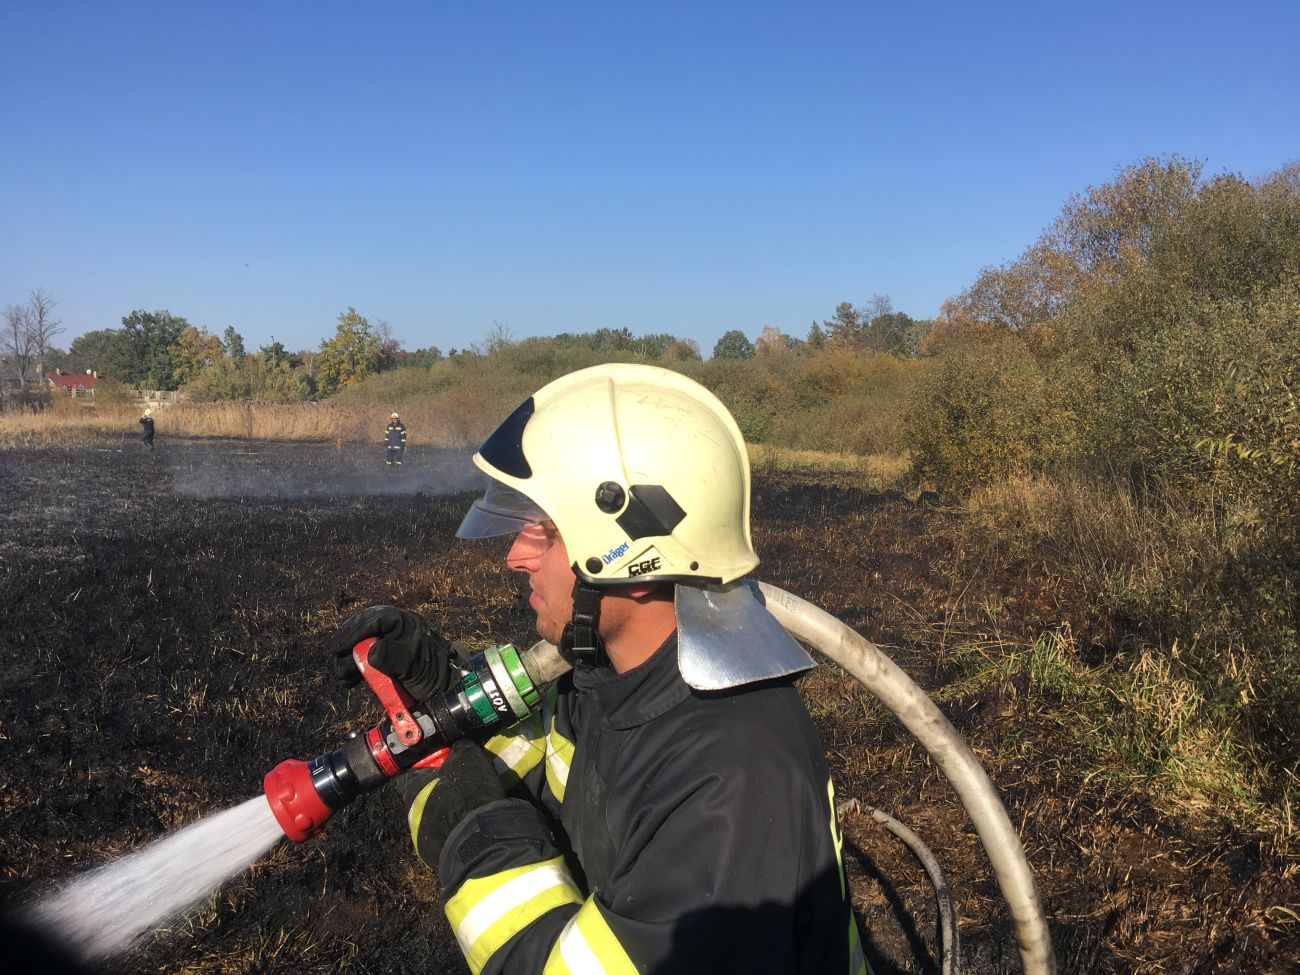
(72, 380)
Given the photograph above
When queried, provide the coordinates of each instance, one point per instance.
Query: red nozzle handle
(391, 694)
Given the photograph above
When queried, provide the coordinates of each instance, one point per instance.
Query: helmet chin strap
(581, 642)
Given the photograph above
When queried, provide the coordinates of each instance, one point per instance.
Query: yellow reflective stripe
(857, 958)
(488, 911)
(517, 753)
(836, 837)
(416, 811)
(588, 946)
(559, 750)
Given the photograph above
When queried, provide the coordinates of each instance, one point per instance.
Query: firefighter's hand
(406, 649)
(437, 801)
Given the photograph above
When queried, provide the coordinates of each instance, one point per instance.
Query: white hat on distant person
(393, 416)
(148, 412)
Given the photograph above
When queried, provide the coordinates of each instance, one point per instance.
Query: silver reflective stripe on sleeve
(486, 912)
(588, 946)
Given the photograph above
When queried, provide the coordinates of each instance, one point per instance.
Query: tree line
(163, 351)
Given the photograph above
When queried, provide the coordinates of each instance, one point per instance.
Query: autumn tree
(681, 350)
(355, 352)
(390, 347)
(195, 350)
(844, 328)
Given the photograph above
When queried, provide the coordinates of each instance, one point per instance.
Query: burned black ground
(162, 617)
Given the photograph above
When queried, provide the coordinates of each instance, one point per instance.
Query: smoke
(283, 470)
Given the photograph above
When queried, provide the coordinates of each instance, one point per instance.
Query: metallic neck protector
(727, 638)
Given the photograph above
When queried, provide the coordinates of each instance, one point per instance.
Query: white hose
(922, 717)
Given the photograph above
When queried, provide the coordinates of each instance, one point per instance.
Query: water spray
(498, 688)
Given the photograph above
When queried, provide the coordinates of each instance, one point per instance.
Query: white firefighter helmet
(148, 412)
(393, 416)
(643, 471)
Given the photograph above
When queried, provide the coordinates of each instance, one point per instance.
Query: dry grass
(1137, 719)
(1100, 531)
(879, 471)
(72, 422)
(1178, 696)
(439, 420)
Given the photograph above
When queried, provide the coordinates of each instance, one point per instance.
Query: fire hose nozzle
(294, 801)
(499, 688)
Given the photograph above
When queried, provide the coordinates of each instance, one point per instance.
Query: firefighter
(395, 441)
(669, 808)
(146, 428)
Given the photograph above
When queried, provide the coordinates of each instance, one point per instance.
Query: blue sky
(669, 167)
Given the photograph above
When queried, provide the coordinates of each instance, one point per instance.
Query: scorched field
(162, 621)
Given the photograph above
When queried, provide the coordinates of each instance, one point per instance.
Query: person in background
(395, 441)
(669, 809)
(146, 428)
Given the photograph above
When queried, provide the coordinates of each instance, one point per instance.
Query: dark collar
(642, 693)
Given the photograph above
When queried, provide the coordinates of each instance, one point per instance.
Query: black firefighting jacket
(663, 830)
(395, 435)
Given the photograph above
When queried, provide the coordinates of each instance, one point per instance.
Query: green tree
(233, 343)
(94, 350)
(891, 333)
(274, 380)
(145, 355)
(277, 353)
(419, 358)
(733, 345)
(354, 353)
(222, 379)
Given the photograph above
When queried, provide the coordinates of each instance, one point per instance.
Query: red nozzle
(294, 801)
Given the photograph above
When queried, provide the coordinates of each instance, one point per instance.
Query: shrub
(987, 409)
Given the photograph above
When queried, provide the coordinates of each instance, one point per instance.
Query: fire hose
(501, 686)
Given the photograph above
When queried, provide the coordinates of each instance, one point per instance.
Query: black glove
(407, 650)
(436, 801)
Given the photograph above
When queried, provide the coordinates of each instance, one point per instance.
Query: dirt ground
(162, 618)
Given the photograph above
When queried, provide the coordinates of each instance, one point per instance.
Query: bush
(987, 409)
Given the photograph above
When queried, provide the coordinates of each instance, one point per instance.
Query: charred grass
(162, 631)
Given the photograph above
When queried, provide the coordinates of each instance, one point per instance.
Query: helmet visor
(501, 511)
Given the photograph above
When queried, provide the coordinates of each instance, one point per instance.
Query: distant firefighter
(395, 441)
(146, 428)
